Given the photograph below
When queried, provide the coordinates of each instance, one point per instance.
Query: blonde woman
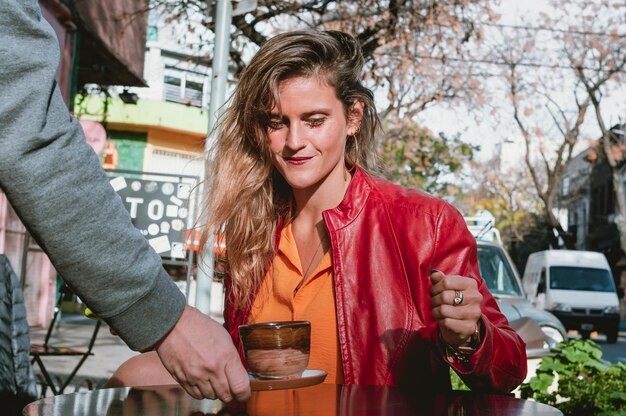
(387, 276)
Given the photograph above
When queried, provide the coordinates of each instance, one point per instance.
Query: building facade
(586, 193)
(160, 128)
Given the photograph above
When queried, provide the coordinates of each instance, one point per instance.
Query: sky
(484, 133)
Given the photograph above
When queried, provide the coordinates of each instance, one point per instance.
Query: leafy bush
(587, 384)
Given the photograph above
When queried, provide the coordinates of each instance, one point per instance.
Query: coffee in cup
(276, 350)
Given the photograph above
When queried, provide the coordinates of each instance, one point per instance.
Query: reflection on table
(323, 399)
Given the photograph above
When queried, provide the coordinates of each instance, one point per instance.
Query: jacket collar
(352, 204)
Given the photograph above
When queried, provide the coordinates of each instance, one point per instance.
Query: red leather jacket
(385, 240)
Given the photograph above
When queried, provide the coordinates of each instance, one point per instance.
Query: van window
(496, 271)
(581, 278)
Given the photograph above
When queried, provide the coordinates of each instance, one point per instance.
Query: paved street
(74, 331)
(614, 352)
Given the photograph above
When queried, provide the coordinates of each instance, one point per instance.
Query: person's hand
(200, 355)
(455, 301)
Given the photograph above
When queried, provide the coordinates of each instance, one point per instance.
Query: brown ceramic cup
(276, 350)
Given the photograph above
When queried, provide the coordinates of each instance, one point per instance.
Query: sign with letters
(159, 210)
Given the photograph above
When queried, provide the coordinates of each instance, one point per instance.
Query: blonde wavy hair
(246, 196)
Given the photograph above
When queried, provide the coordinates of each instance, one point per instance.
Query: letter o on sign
(156, 210)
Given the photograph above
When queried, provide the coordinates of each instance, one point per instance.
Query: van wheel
(585, 334)
(611, 337)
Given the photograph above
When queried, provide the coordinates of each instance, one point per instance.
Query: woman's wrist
(464, 351)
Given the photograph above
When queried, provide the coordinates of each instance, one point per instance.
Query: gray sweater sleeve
(55, 183)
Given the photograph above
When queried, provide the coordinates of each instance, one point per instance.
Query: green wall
(130, 148)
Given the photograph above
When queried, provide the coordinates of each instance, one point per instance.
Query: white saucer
(308, 378)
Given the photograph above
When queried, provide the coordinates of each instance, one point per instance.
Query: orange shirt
(314, 302)
(323, 398)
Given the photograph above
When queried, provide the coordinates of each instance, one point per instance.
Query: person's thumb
(436, 276)
(238, 380)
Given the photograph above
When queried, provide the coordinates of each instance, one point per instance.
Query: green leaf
(549, 364)
(598, 365)
(541, 382)
(617, 395)
(575, 356)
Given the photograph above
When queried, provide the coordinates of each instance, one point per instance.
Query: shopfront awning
(112, 41)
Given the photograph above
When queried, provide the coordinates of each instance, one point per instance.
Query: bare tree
(414, 49)
(555, 70)
(545, 162)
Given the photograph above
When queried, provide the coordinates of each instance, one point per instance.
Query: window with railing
(183, 87)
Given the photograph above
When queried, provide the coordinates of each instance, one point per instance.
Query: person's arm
(55, 183)
(473, 337)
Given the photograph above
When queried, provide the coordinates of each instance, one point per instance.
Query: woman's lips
(300, 160)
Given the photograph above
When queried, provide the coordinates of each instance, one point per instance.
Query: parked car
(503, 281)
(577, 287)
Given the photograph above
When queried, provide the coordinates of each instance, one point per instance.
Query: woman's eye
(315, 122)
(275, 124)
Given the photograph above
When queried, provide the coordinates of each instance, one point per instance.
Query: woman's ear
(355, 116)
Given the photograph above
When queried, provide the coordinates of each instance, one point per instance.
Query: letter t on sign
(133, 205)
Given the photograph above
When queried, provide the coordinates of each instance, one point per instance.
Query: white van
(577, 287)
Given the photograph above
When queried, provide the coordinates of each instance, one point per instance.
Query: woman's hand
(455, 301)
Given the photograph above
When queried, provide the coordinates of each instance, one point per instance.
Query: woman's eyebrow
(316, 111)
(305, 114)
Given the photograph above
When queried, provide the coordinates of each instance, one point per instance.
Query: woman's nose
(295, 139)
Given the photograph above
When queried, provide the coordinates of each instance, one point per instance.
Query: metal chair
(39, 351)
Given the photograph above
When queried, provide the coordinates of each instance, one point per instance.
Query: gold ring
(458, 297)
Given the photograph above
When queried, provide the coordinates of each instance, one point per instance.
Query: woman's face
(308, 139)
